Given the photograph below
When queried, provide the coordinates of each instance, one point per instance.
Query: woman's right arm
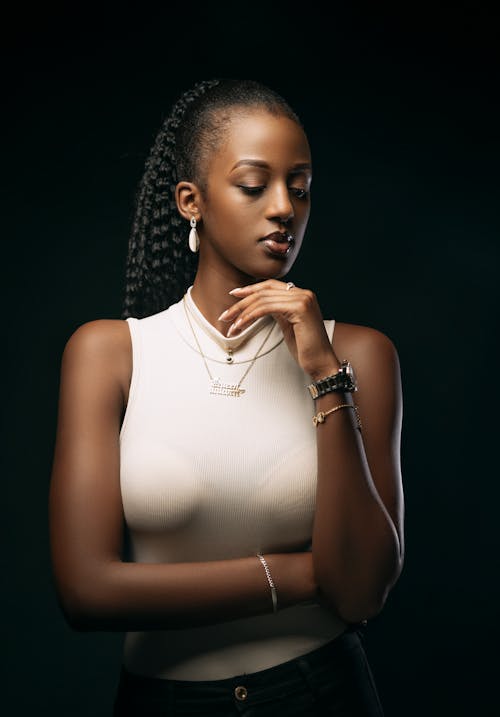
(96, 589)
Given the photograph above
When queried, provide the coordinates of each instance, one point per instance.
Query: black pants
(334, 679)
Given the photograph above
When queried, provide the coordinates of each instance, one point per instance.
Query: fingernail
(222, 315)
(238, 288)
(233, 327)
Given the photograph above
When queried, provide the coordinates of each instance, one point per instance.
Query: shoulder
(364, 346)
(100, 336)
(355, 337)
(104, 345)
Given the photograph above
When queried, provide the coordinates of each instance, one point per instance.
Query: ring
(289, 285)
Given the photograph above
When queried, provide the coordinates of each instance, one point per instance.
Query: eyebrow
(300, 166)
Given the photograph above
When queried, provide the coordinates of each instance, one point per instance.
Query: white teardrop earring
(194, 239)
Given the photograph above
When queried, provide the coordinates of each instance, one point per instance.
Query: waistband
(254, 687)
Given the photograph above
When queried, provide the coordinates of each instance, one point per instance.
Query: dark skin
(358, 538)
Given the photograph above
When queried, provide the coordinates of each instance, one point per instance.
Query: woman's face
(258, 182)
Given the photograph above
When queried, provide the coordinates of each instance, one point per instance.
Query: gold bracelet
(320, 417)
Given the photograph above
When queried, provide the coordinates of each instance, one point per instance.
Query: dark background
(402, 112)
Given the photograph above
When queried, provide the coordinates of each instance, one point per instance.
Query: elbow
(357, 604)
(357, 597)
(353, 608)
(79, 619)
(78, 613)
(82, 607)
(77, 623)
(352, 612)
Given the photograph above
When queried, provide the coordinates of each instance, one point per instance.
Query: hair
(159, 265)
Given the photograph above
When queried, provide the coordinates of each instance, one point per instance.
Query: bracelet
(320, 417)
(270, 580)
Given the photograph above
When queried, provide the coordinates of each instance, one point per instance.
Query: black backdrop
(402, 113)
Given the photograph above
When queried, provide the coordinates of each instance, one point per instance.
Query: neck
(210, 293)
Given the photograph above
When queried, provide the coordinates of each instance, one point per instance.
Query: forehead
(258, 134)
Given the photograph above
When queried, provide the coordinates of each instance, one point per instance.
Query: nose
(280, 206)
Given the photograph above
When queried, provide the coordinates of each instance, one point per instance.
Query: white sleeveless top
(206, 477)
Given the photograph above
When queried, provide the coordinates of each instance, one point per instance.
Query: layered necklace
(217, 385)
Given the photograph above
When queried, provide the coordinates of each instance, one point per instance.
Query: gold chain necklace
(217, 386)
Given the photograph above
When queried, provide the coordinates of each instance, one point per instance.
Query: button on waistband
(240, 692)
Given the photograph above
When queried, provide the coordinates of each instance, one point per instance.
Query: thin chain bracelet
(270, 580)
(320, 417)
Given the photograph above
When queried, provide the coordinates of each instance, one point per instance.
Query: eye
(299, 192)
(251, 190)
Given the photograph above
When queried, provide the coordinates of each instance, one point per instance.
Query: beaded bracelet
(270, 580)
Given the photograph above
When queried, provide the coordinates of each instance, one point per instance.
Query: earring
(194, 239)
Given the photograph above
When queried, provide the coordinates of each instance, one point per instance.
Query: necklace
(217, 386)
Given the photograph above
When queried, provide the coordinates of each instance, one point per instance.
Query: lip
(278, 243)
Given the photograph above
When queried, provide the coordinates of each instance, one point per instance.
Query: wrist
(341, 380)
(327, 369)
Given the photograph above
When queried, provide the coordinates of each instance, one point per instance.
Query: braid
(159, 266)
(156, 225)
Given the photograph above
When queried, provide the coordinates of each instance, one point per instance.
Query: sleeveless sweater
(206, 476)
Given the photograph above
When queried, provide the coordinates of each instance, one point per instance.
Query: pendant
(219, 388)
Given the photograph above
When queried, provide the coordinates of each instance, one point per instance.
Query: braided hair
(159, 266)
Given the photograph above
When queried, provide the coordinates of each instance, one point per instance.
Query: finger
(289, 307)
(234, 311)
(259, 286)
(246, 291)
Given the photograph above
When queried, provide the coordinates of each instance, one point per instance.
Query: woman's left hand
(299, 316)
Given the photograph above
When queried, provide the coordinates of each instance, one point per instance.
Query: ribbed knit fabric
(211, 477)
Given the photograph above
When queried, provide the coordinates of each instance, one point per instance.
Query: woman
(215, 429)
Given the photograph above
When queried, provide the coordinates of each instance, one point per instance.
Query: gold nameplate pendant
(219, 388)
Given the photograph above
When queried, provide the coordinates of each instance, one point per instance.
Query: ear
(188, 200)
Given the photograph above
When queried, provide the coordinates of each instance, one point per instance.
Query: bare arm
(96, 589)
(358, 535)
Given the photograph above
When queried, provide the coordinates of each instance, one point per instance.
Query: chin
(269, 275)
(270, 272)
